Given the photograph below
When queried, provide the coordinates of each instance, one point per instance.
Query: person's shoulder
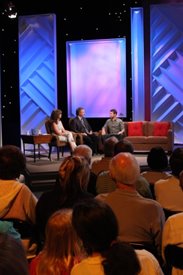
(108, 120)
(153, 204)
(175, 218)
(95, 162)
(102, 196)
(78, 268)
(147, 202)
(148, 262)
(164, 182)
(25, 188)
(74, 119)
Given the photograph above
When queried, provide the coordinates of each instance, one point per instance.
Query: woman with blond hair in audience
(61, 247)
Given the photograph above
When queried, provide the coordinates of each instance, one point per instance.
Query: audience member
(123, 146)
(17, 201)
(73, 176)
(106, 184)
(80, 125)
(168, 191)
(85, 151)
(157, 161)
(113, 126)
(172, 235)
(173, 256)
(103, 164)
(8, 228)
(140, 219)
(61, 249)
(58, 129)
(97, 227)
(12, 256)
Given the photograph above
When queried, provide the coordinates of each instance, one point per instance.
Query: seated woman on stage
(58, 129)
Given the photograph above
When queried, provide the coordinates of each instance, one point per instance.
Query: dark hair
(97, 227)
(12, 256)
(123, 146)
(176, 161)
(173, 255)
(157, 158)
(109, 144)
(55, 114)
(114, 111)
(78, 110)
(12, 162)
(121, 259)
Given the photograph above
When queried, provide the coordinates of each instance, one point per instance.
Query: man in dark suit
(80, 125)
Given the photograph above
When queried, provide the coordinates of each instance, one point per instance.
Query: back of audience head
(157, 158)
(123, 146)
(109, 144)
(97, 227)
(83, 150)
(176, 161)
(12, 256)
(173, 255)
(74, 174)
(61, 245)
(12, 162)
(124, 169)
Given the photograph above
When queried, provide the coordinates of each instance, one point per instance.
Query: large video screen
(96, 76)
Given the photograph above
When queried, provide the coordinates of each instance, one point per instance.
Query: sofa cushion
(161, 128)
(135, 128)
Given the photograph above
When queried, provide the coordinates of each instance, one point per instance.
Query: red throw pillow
(135, 129)
(161, 128)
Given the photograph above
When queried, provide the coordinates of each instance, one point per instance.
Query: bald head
(124, 168)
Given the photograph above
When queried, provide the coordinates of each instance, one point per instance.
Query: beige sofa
(147, 134)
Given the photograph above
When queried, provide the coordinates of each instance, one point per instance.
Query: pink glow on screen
(96, 76)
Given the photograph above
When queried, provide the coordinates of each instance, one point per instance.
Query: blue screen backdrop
(167, 65)
(37, 69)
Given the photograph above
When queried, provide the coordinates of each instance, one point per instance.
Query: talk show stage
(41, 175)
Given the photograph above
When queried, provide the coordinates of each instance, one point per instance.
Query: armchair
(55, 142)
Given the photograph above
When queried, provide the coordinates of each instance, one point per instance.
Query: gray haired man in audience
(140, 220)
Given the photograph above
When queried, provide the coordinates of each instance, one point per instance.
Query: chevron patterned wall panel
(37, 69)
(167, 65)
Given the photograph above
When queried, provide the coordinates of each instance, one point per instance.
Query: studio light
(12, 12)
